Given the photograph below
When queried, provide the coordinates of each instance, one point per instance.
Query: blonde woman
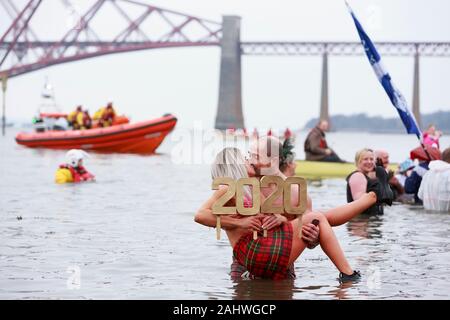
(273, 256)
(366, 175)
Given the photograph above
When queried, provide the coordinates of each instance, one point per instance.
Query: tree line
(363, 122)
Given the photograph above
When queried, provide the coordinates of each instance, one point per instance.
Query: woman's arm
(358, 185)
(205, 216)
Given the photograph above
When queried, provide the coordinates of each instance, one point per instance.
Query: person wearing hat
(73, 170)
(404, 171)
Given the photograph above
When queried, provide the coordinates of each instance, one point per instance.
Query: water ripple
(131, 235)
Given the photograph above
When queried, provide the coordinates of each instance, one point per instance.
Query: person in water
(287, 158)
(310, 232)
(435, 186)
(424, 155)
(273, 256)
(382, 159)
(365, 175)
(288, 165)
(73, 170)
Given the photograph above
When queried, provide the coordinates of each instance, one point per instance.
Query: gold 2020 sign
(236, 190)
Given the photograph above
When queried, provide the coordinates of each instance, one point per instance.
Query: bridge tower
(416, 89)
(229, 111)
(324, 115)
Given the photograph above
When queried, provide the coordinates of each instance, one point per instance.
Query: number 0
(301, 195)
(256, 196)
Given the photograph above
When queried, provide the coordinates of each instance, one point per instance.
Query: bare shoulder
(357, 175)
(357, 178)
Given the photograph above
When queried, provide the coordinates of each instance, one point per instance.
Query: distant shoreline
(364, 123)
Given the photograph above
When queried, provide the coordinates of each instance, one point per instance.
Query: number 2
(218, 206)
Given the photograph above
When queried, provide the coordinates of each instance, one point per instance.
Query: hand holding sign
(240, 190)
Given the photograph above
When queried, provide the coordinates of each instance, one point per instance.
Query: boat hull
(316, 170)
(142, 137)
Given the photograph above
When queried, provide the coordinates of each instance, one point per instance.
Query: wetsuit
(375, 209)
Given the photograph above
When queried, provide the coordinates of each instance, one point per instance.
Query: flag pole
(395, 96)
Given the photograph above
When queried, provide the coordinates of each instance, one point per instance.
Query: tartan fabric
(266, 257)
(239, 272)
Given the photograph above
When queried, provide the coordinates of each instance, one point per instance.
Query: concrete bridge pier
(229, 111)
(416, 89)
(324, 115)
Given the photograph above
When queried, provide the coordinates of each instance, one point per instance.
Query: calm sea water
(131, 234)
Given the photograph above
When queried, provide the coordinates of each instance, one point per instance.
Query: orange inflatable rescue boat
(141, 137)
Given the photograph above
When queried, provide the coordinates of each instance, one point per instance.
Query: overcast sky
(185, 81)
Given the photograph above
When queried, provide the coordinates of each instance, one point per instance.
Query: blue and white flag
(383, 76)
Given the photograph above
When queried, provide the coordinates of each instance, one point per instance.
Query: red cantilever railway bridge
(23, 50)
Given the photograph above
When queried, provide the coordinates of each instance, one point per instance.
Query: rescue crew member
(73, 170)
(72, 118)
(84, 120)
(105, 116)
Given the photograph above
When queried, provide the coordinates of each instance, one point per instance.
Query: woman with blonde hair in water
(367, 173)
(273, 256)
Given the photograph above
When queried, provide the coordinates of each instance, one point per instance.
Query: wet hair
(286, 154)
(360, 154)
(446, 155)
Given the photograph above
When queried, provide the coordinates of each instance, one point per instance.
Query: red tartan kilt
(266, 257)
